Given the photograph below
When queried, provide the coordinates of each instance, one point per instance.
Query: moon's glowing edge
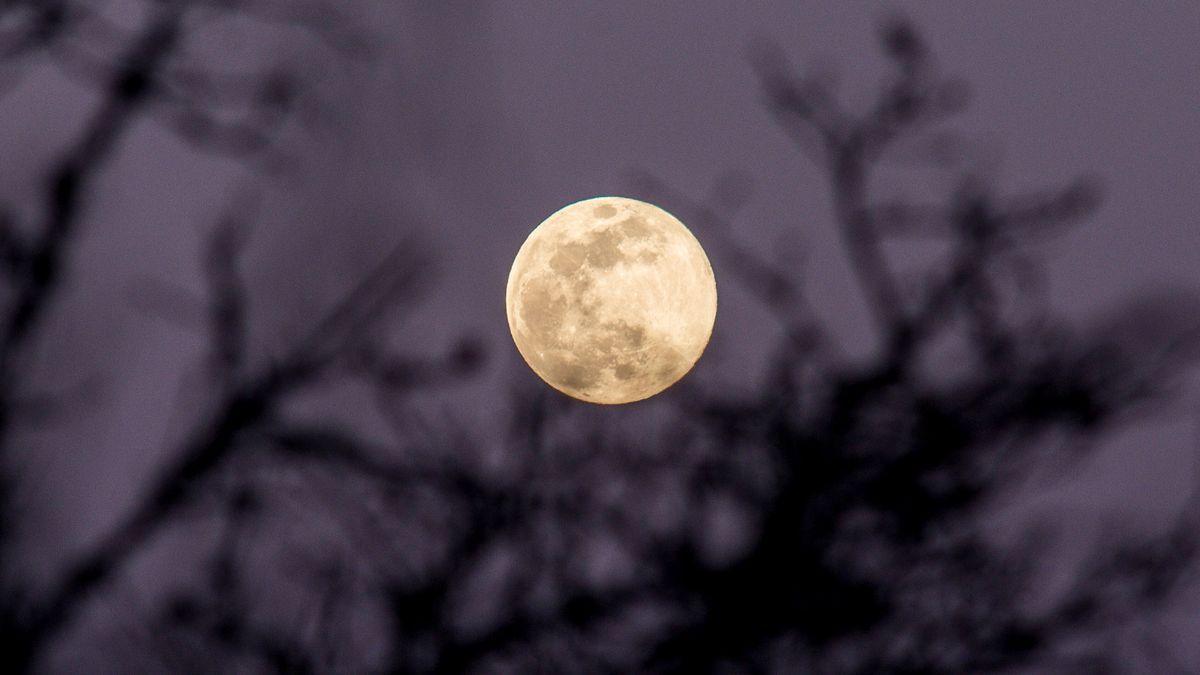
(516, 270)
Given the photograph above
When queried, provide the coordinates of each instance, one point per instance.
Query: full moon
(611, 300)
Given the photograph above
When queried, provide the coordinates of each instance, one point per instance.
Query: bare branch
(73, 174)
(247, 404)
(227, 291)
(801, 105)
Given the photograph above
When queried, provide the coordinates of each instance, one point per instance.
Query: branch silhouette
(839, 518)
(139, 79)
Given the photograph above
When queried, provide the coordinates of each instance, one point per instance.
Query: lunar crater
(611, 300)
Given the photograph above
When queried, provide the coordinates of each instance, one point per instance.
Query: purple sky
(480, 119)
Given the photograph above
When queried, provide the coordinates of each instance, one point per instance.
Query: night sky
(461, 125)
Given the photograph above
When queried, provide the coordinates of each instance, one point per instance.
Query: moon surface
(611, 300)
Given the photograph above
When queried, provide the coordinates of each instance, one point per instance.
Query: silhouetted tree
(147, 72)
(838, 520)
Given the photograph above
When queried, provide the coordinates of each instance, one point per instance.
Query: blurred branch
(227, 291)
(852, 536)
(249, 402)
(37, 24)
(778, 289)
(851, 146)
(72, 176)
(136, 82)
(13, 248)
(320, 18)
(805, 107)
